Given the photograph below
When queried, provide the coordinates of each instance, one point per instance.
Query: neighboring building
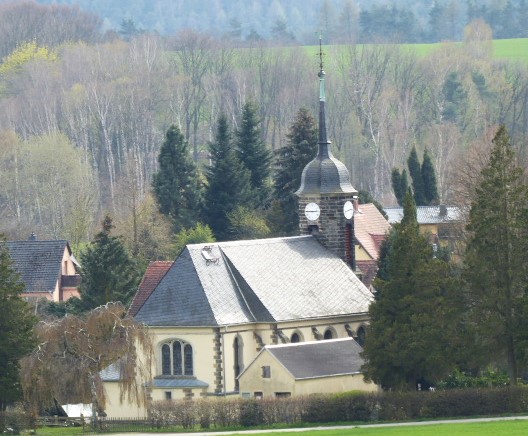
(48, 269)
(304, 368)
(441, 223)
(221, 303)
(370, 230)
(156, 270)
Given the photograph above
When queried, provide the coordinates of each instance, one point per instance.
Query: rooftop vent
(207, 254)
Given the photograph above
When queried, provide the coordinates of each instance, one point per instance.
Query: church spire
(324, 149)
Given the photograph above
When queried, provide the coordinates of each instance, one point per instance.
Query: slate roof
(370, 228)
(427, 214)
(266, 280)
(154, 273)
(306, 360)
(38, 262)
(369, 269)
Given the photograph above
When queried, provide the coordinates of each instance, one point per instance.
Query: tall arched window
(361, 336)
(328, 334)
(238, 358)
(295, 337)
(176, 358)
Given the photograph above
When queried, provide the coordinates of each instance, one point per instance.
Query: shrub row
(347, 407)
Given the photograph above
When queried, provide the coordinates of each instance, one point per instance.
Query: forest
(82, 118)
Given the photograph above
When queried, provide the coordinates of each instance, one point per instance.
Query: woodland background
(83, 112)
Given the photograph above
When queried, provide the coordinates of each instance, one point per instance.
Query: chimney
(32, 237)
(443, 210)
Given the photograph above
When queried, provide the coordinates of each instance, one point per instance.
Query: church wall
(115, 409)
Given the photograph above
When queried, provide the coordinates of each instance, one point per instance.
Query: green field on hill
(508, 49)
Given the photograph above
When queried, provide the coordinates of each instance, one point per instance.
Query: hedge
(346, 407)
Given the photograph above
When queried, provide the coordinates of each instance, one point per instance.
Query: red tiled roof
(369, 269)
(370, 228)
(153, 275)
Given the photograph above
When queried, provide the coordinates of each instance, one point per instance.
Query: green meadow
(507, 49)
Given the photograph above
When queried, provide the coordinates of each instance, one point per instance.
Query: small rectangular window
(282, 394)
(266, 372)
(258, 395)
(168, 395)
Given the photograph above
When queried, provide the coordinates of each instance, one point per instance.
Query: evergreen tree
(253, 153)
(290, 161)
(497, 257)
(415, 170)
(107, 273)
(16, 327)
(229, 183)
(455, 98)
(177, 184)
(429, 179)
(413, 320)
(399, 184)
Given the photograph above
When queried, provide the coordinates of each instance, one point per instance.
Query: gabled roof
(320, 358)
(427, 214)
(266, 280)
(370, 228)
(154, 273)
(38, 262)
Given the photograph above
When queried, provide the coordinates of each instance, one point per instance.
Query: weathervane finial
(320, 34)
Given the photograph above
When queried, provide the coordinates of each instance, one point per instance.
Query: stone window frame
(299, 334)
(332, 331)
(173, 350)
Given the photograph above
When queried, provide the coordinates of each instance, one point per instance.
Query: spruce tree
(415, 170)
(495, 265)
(228, 182)
(411, 338)
(16, 327)
(177, 183)
(429, 179)
(290, 161)
(253, 153)
(399, 184)
(107, 273)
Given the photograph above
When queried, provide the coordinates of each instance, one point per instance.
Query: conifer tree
(415, 170)
(108, 274)
(411, 338)
(229, 183)
(429, 179)
(399, 184)
(177, 183)
(497, 257)
(16, 327)
(253, 153)
(290, 161)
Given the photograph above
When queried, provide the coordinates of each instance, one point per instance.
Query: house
(48, 269)
(370, 230)
(442, 223)
(304, 368)
(220, 304)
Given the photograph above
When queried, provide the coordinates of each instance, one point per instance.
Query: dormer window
(176, 358)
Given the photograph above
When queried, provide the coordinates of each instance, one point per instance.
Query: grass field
(495, 428)
(498, 428)
(508, 49)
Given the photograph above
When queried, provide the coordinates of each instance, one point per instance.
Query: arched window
(176, 358)
(328, 334)
(295, 337)
(361, 336)
(238, 358)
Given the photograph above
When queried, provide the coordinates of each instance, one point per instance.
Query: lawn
(499, 428)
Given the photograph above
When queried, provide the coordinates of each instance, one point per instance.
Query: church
(220, 308)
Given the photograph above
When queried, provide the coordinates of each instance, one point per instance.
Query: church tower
(326, 195)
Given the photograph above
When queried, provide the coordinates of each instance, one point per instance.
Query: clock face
(312, 211)
(348, 210)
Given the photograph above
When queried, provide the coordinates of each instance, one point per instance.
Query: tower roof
(325, 174)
